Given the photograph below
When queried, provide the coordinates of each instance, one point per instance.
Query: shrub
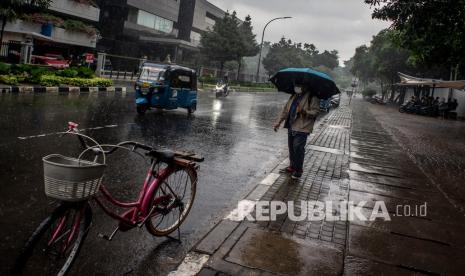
(9, 79)
(36, 73)
(79, 26)
(43, 18)
(85, 72)
(21, 68)
(86, 2)
(369, 92)
(68, 72)
(4, 69)
(50, 80)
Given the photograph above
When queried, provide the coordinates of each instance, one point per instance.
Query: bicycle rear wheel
(172, 201)
(55, 244)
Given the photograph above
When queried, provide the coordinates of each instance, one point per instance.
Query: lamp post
(261, 44)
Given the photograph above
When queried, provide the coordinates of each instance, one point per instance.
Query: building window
(195, 37)
(154, 22)
(210, 22)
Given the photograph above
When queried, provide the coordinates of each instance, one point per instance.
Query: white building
(71, 30)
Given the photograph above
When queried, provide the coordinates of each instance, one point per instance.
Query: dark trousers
(296, 143)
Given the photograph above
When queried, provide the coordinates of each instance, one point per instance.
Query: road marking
(270, 179)
(57, 133)
(244, 208)
(191, 265)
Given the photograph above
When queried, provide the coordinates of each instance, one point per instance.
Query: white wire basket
(72, 179)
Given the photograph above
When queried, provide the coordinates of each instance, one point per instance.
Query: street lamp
(261, 44)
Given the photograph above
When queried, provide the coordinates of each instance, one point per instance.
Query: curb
(57, 89)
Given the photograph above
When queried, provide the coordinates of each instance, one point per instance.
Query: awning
(406, 80)
(41, 37)
(33, 35)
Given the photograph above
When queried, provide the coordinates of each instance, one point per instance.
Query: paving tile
(354, 266)
(403, 251)
(216, 237)
(258, 249)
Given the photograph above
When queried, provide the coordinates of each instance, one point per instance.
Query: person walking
(299, 115)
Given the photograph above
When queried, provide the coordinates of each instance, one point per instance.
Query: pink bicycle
(164, 202)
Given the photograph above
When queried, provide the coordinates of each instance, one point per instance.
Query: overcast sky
(329, 24)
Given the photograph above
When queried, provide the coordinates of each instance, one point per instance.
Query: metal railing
(10, 52)
(119, 75)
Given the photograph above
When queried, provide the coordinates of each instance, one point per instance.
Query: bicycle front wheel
(55, 244)
(172, 201)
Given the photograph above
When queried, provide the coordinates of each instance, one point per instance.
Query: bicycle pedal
(105, 237)
(109, 238)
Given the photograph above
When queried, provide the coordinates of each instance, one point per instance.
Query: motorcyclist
(226, 84)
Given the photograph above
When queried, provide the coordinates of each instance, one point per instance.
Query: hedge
(47, 80)
(33, 74)
(369, 92)
(9, 79)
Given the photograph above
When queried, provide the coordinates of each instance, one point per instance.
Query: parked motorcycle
(406, 107)
(336, 100)
(376, 100)
(413, 108)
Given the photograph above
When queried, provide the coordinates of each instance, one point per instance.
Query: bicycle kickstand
(109, 238)
(178, 239)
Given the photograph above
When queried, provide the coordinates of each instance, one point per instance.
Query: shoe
(296, 175)
(289, 170)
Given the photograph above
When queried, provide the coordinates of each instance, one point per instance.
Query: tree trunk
(221, 69)
(456, 71)
(393, 91)
(3, 29)
(382, 89)
(239, 69)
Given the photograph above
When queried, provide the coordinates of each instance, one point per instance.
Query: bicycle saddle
(162, 155)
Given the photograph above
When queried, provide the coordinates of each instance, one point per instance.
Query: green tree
(13, 9)
(230, 40)
(381, 61)
(326, 59)
(432, 31)
(362, 64)
(222, 44)
(388, 60)
(285, 54)
(249, 46)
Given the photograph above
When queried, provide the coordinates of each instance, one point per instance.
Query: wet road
(233, 134)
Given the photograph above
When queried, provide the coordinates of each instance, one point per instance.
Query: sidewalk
(349, 158)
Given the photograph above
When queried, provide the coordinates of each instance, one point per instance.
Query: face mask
(298, 89)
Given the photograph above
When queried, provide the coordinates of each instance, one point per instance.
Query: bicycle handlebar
(72, 127)
(99, 149)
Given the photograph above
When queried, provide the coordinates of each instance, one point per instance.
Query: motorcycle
(336, 100)
(376, 100)
(221, 90)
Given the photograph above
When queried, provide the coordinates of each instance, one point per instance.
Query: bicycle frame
(139, 210)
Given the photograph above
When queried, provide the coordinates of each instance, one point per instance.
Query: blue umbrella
(318, 83)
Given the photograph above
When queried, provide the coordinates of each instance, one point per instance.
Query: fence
(127, 68)
(232, 75)
(10, 52)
